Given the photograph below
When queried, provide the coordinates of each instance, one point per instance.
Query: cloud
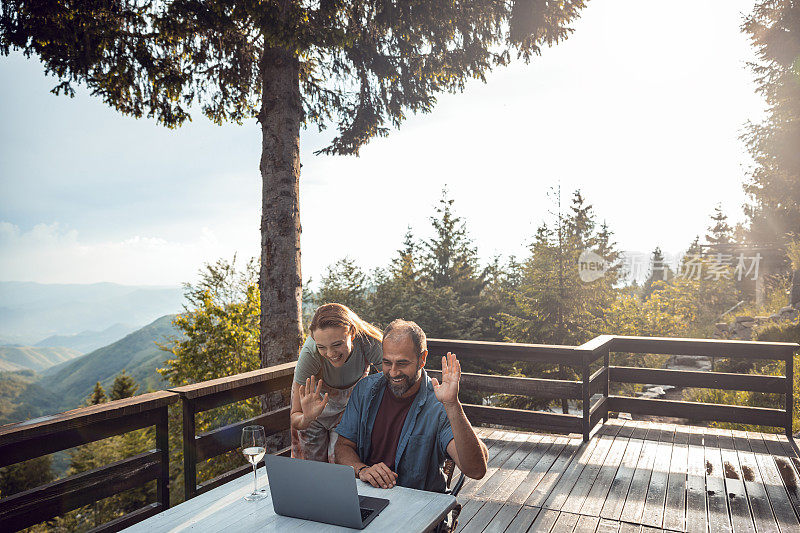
(52, 253)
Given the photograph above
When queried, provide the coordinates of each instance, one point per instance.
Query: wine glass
(254, 446)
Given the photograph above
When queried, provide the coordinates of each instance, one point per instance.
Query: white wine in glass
(254, 446)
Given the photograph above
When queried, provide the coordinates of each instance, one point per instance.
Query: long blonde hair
(337, 315)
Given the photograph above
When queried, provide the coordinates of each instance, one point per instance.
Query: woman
(335, 356)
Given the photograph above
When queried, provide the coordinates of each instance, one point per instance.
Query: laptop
(321, 492)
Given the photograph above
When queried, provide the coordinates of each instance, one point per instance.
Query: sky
(641, 109)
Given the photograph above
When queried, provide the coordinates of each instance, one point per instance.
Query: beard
(398, 389)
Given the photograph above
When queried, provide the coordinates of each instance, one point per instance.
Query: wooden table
(224, 509)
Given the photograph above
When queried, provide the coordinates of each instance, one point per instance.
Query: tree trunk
(280, 281)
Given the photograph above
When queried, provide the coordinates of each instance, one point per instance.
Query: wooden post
(162, 444)
(789, 394)
(586, 400)
(564, 401)
(606, 362)
(189, 451)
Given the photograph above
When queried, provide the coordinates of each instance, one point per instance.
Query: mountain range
(34, 358)
(25, 394)
(32, 312)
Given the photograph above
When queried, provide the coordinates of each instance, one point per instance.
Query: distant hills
(136, 353)
(31, 312)
(34, 358)
(88, 341)
(26, 394)
(21, 398)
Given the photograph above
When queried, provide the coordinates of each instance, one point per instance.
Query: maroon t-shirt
(388, 425)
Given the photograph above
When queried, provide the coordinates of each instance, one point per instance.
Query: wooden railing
(590, 361)
(42, 436)
(576, 357)
(207, 395)
(775, 351)
(595, 381)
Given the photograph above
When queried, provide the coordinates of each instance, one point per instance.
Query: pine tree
(344, 282)
(772, 187)
(720, 233)
(98, 395)
(362, 67)
(659, 272)
(449, 258)
(124, 386)
(552, 304)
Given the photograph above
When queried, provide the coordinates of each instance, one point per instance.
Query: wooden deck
(635, 476)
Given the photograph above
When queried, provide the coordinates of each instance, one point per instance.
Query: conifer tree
(772, 187)
(361, 66)
(659, 272)
(124, 386)
(720, 233)
(344, 282)
(98, 395)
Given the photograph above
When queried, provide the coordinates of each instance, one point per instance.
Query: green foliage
(784, 332)
(659, 270)
(124, 386)
(720, 232)
(773, 185)
(98, 395)
(219, 328)
(137, 353)
(365, 64)
(22, 398)
(219, 338)
(551, 303)
(25, 475)
(345, 283)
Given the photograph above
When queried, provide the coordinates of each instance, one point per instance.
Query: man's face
(401, 366)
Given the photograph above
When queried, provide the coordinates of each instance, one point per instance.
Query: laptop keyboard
(365, 513)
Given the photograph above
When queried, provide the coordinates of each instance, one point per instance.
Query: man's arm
(377, 475)
(466, 449)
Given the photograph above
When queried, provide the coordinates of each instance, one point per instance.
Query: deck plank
(763, 517)
(481, 519)
(599, 492)
(502, 520)
(635, 476)
(587, 524)
(783, 455)
(615, 500)
(776, 491)
(653, 514)
(565, 523)
(497, 456)
(696, 509)
(608, 526)
(496, 479)
(635, 499)
(544, 521)
(520, 473)
(561, 445)
(741, 516)
(560, 491)
(675, 505)
(556, 469)
(586, 478)
(716, 499)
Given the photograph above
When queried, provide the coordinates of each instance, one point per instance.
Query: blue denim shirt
(426, 432)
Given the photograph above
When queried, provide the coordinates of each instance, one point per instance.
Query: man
(399, 426)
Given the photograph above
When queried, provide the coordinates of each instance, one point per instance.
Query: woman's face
(334, 344)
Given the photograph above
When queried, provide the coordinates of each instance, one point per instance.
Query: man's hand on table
(378, 475)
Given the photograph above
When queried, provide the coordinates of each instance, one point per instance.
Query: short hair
(400, 328)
